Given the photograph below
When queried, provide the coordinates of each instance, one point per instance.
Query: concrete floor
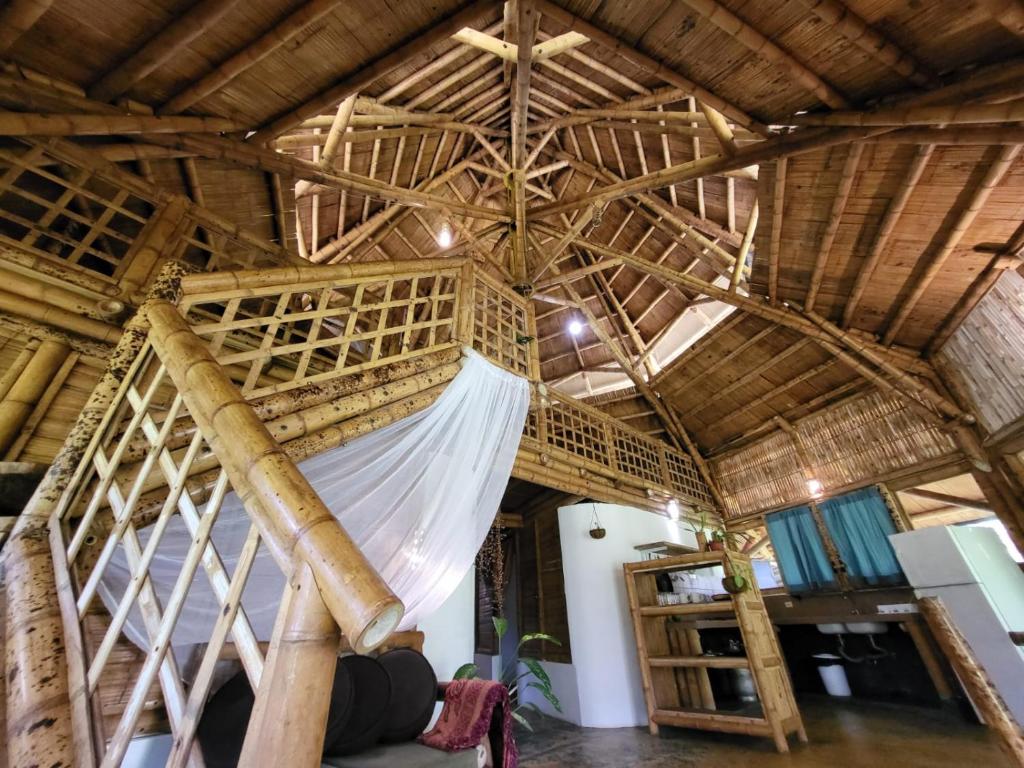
(846, 734)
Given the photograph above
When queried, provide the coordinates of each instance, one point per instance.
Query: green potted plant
(717, 543)
(699, 527)
(534, 677)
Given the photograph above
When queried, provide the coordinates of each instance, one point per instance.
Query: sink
(854, 628)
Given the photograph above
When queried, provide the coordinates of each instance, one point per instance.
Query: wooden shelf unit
(674, 668)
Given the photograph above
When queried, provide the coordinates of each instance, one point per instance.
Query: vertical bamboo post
(466, 309)
(40, 730)
(983, 694)
(19, 402)
(290, 713)
(293, 520)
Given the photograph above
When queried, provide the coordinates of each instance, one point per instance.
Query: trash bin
(832, 674)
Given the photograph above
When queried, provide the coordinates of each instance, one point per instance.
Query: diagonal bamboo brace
(293, 521)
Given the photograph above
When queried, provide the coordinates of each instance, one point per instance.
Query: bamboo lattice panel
(131, 478)
(615, 449)
(986, 353)
(287, 335)
(854, 441)
(55, 208)
(500, 325)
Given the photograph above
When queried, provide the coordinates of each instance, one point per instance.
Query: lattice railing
(284, 333)
(99, 531)
(501, 326)
(64, 204)
(611, 448)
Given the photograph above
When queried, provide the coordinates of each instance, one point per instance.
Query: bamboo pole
(885, 229)
(867, 38)
(954, 114)
(39, 715)
(647, 64)
(745, 34)
(277, 36)
(741, 256)
(846, 177)
(363, 78)
(275, 492)
(170, 40)
(289, 715)
(35, 124)
(972, 675)
(17, 366)
(18, 17)
(19, 402)
(48, 314)
(339, 125)
(994, 174)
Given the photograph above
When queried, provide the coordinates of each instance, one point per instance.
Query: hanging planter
(596, 531)
(735, 584)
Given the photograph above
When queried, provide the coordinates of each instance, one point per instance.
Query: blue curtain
(801, 555)
(859, 524)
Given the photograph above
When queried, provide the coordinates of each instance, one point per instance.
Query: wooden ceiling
(545, 116)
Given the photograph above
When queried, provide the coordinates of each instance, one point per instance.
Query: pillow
(413, 694)
(371, 689)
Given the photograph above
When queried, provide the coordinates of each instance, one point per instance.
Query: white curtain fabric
(418, 497)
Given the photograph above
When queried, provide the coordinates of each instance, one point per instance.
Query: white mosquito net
(418, 497)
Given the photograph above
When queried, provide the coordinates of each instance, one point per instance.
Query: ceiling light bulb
(575, 327)
(814, 487)
(444, 235)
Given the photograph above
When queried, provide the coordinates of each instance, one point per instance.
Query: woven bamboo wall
(853, 442)
(986, 354)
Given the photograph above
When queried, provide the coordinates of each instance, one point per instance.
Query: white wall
(449, 632)
(607, 675)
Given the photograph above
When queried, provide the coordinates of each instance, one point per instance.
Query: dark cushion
(408, 755)
(413, 694)
(372, 694)
(221, 729)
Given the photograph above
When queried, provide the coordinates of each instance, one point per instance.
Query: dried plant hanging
(596, 531)
(490, 561)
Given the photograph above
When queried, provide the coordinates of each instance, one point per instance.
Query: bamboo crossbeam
(994, 174)
(25, 392)
(748, 36)
(892, 215)
(63, 319)
(35, 124)
(171, 39)
(647, 64)
(18, 17)
(252, 54)
(786, 145)
(951, 114)
(363, 78)
(275, 493)
(867, 38)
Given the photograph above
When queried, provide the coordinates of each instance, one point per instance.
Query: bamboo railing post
(42, 726)
(289, 716)
(293, 520)
(17, 405)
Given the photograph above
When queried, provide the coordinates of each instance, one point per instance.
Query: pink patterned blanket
(467, 716)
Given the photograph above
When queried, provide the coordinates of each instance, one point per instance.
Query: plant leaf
(538, 671)
(537, 636)
(522, 721)
(500, 625)
(466, 671)
(548, 694)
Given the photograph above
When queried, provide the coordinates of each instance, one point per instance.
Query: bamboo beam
(168, 42)
(786, 145)
(503, 49)
(20, 400)
(291, 517)
(1009, 13)
(983, 693)
(360, 80)
(741, 256)
(846, 177)
(647, 63)
(526, 30)
(576, 274)
(18, 17)
(946, 498)
(746, 35)
(778, 221)
(875, 44)
(35, 124)
(277, 36)
(892, 215)
(951, 114)
(994, 174)
(339, 125)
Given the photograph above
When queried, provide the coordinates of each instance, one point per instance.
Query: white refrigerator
(982, 587)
